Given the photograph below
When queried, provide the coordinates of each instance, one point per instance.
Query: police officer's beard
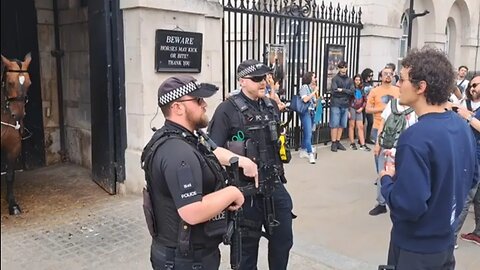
(202, 122)
(197, 121)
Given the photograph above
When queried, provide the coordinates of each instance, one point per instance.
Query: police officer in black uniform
(247, 123)
(185, 198)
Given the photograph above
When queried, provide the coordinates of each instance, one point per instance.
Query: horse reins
(22, 98)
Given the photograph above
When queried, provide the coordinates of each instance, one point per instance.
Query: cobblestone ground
(68, 222)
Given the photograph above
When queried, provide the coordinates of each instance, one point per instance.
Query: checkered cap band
(249, 70)
(178, 93)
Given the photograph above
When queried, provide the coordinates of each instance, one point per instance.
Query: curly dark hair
(433, 67)
(366, 73)
(307, 77)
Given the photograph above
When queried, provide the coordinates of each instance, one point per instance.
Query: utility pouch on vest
(284, 152)
(148, 211)
(217, 226)
(237, 147)
(251, 150)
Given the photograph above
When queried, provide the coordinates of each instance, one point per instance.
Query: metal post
(410, 22)
(411, 16)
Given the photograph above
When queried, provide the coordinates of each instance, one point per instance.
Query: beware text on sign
(178, 51)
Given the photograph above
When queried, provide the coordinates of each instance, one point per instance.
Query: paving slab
(68, 222)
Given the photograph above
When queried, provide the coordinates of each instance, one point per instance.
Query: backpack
(393, 127)
(358, 99)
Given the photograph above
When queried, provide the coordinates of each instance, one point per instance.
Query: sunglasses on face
(197, 99)
(257, 79)
(387, 73)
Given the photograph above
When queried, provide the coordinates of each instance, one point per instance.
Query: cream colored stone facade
(141, 19)
(380, 42)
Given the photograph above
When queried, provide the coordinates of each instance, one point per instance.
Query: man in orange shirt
(376, 102)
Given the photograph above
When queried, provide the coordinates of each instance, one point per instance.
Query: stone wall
(141, 19)
(381, 35)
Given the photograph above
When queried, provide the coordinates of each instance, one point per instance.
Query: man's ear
(422, 87)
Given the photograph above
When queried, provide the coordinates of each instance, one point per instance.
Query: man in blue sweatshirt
(435, 168)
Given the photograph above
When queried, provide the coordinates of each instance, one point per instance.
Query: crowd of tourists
(425, 132)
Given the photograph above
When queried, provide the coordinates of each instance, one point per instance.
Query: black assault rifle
(268, 172)
(233, 237)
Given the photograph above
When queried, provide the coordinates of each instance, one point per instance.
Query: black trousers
(280, 242)
(210, 259)
(368, 117)
(406, 260)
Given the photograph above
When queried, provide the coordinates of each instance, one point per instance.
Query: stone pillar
(141, 19)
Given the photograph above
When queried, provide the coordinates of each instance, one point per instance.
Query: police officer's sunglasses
(197, 99)
(257, 79)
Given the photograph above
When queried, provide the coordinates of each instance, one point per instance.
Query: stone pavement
(70, 223)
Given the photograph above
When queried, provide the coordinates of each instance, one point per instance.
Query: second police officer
(247, 124)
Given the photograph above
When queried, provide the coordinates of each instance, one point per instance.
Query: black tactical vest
(213, 228)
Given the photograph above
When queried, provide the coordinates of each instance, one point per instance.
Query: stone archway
(458, 23)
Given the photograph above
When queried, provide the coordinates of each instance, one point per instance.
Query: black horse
(15, 83)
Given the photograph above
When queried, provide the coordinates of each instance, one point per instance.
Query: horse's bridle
(22, 98)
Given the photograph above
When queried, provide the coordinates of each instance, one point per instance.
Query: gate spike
(322, 12)
(345, 12)
(352, 14)
(242, 6)
(338, 12)
(359, 16)
(275, 5)
(330, 8)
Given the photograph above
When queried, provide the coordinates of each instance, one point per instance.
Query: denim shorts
(338, 117)
(354, 115)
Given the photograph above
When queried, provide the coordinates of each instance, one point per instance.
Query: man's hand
(464, 112)
(389, 170)
(360, 110)
(249, 167)
(238, 202)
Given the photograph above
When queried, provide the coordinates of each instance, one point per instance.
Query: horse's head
(15, 83)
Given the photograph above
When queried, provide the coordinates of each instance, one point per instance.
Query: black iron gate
(292, 36)
(107, 88)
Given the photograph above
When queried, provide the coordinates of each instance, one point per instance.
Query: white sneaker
(303, 153)
(311, 158)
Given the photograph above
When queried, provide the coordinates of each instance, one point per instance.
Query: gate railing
(292, 37)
